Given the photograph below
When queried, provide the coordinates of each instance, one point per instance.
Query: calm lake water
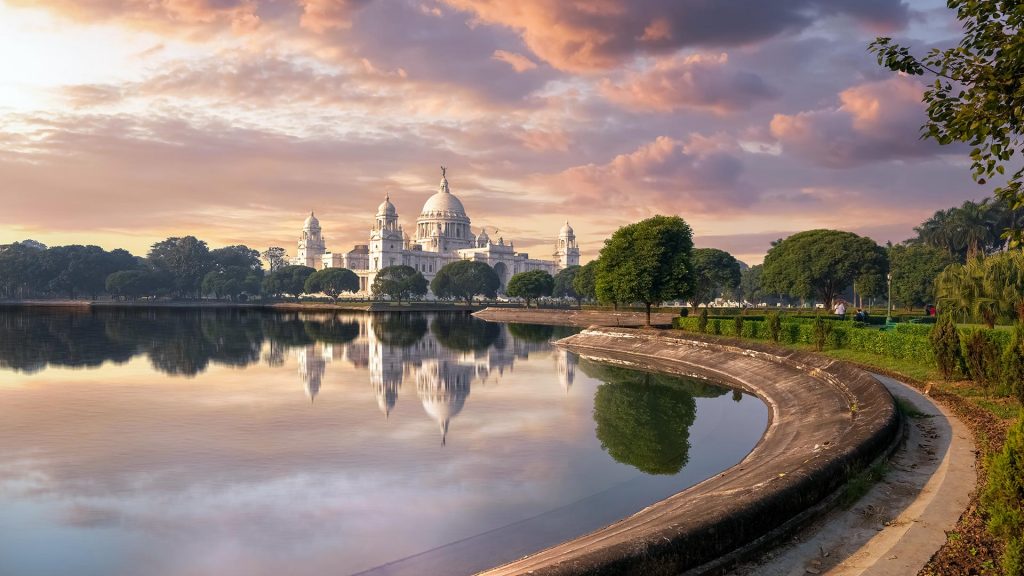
(235, 443)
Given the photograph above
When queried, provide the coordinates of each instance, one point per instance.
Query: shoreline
(224, 305)
(828, 420)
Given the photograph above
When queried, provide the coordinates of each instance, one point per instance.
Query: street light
(888, 309)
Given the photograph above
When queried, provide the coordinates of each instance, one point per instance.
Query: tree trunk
(648, 313)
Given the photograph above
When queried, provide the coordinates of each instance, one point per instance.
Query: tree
(287, 280)
(750, 289)
(914, 268)
(232, 282)
(978, 94)
(984, 289)
(647, 262)
(821, 263)
(715, 271)
(131, 283)
(236, 256)
(399, 282)
(276, 258)
(1004, 498)
(186, 260)
(564, 284)
(465, 279)
(530, 285)
(332, 281)
(584, 283)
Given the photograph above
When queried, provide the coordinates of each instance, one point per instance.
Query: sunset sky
(123, 122)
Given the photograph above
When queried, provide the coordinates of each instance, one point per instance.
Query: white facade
(442, 234)
(311, 244)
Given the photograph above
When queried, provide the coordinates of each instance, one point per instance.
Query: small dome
(311, 221)
(483, 236)
(386, 208)
(565, 230)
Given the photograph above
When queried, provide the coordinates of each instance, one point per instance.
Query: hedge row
(904, 342)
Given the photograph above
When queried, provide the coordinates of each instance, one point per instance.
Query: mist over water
(173, 442)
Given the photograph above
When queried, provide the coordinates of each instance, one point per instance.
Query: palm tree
(974, 227)
(940, 231)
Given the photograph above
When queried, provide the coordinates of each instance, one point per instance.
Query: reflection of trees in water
(531, 332)
(177, 341)
(464, 333)
(31, 341)
(400, 329)
(644, 419)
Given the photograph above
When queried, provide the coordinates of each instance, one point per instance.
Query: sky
(123, 122)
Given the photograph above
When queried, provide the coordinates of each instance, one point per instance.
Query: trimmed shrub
(822, 330)
(702, 322)
(775, 326)
(1013, 365)
(684, 312)
(946, 346)
(981, 355)
(1003, 499)
(716, 326)
(737, 325)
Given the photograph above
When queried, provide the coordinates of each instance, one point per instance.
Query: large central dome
(443, 203)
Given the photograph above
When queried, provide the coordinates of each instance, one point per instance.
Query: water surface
(172, 443)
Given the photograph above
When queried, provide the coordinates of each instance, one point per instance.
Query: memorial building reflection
(440, 357)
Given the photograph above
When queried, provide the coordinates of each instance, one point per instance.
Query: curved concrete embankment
(827, 420)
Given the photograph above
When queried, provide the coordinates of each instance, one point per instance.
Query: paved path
(902, 521)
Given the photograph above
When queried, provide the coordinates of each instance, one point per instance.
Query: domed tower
(443, 225)
(483, 240)
(386, 239)
(567, 253)
(311, 244)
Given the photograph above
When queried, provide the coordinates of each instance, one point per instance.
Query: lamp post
(888, 307)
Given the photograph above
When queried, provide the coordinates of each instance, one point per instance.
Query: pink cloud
(665, 174)
(518, 62)
(874, 122)
(322, 15)
(696, 81)
(599, 34)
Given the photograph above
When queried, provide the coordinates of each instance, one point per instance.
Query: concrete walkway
(902, 521)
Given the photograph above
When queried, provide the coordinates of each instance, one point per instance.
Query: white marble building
(442, 235)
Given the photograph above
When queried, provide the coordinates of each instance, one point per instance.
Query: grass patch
(859, 485)
(916, 370)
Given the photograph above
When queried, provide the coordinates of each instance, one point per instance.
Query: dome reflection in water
(173, 442)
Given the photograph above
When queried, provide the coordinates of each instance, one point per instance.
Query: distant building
(442, 235)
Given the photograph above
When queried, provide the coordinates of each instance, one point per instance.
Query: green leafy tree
(465, 279)
(715, 272)
(132, 283)
(287, 280)
(530, 285)
(399, 282)
(332, 281)
(584, 283)
(914, 268)
(986, 290)
(978, 94)
(1003, 498)
(750, 288)
(564, 284)
(647, 262)
(236, 257)
(821, 263)
(186, 260)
